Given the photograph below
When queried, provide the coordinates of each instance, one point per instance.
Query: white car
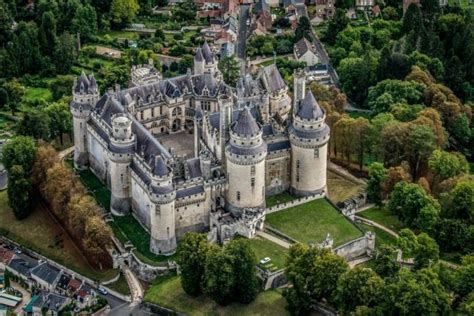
(265, 260)
(102, 291)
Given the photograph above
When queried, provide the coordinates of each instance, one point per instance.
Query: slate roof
(46, 272)
(22, 264)
(190, 191)
(194, 168)
(160, 168)
(86, 84)
(309, 108)
(247, 151)
(310, 133)
(246, 125)
(262, 5)
(198, 56)
(273, 78)
(207, 53)
(63, 281)
(279, 146)
(51, 301)
(303, 46)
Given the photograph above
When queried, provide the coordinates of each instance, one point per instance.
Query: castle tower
(299, 86)
(121, 149)
(198, 62)
(162, 210)
(225, 108)
(309, 136)
(205, 161)
(245, 160)
(85, 95)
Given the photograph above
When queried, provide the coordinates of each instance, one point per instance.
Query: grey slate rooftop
(51, 301)
(309, 108)
(246, 125)
(303, 46)
(46, 272)
(190, 191)
(22, 264)
(273, 78)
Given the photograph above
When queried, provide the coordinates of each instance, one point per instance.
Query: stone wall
(295, 202)
(363, 246)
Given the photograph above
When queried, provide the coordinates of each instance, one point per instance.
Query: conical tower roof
(246, 125)
(309, 108)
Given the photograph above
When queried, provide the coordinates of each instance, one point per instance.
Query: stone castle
(191, 153)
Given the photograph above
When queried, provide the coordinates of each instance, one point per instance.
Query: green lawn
(120, 34)
(384, 217)
(279, 199)
(128, 228)
(167, 292)
(42, 234)
(340, 188)
(120, 285)
(265, 248)
(312, 221)
(36, 93)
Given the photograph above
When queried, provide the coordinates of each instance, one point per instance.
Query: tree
(229, 66)
(191, 257)
(97, 237)
(385, 262)
(377, 174)
(85, 21)
(219, 276)
(303, 29)
(34, 124)
(414, 206)
(19, 192)
(15, 92)
(65, 53)
(420, 144)
(123, 11)
(185, 11)
(246, 282)
(358, 287)
(47, 32)
(24, 52)
(80, 209)
(422, 248)
(58, 189)
(415, 293)
(394, 175)
(20, 150)
(46, 156)
(462, 200)
(446, 165)
(338, 23)
(313, 273)
(60, 120)
(464, 278)
(412, 19)
(6, 21)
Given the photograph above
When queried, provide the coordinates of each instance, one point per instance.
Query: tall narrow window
(238, 195)
(252, 182)
(252, 170)
(316, 153)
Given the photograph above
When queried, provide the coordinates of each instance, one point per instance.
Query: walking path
(375, 224)
(343, 172)
(358, 261)
(26, 297)
(274, 239)
(63, 153)
(365, 207)
(136, 290)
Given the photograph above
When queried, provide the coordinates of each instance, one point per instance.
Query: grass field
(36, 93)
(279, 199)
(120, 285)
(312, 221)
(340, 189)
(128, 228)
(167, 292)
(42, 234)
(265, 248)
(6, 123)
(383, 217)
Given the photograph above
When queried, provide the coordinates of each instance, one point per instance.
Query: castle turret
(198, 62)
(162, 210)
(245, 161)
(299, 86)
(309, 135)
(121, 149)
(205, 161)
(225, 118)
(85, 94)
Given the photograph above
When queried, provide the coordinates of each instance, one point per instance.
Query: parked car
(265, 260)
(102, 290)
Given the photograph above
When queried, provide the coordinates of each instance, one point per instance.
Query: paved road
(243, 30)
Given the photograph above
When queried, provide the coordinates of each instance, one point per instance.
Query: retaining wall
(296, 202)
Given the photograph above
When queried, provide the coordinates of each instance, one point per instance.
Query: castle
(190, 153)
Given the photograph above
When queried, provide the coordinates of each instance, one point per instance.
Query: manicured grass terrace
(384, 217)
(264, 248)
(381, 236)
(340, 188)
(312, 221)
(167, 292)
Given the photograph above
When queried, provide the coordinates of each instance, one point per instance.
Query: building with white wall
(243, 145)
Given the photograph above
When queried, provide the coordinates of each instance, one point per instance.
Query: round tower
(121, 149)
(162, 210)
(309, 136)
(245, 162)
(85, 94)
